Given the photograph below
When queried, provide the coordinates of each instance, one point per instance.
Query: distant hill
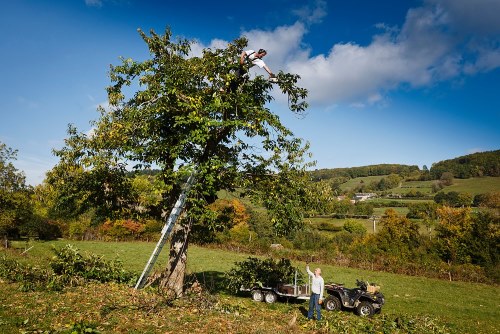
(464, 167)
(372, 170)
(472, 165)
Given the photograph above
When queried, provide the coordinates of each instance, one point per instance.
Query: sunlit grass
(474, 186)
(466, 307)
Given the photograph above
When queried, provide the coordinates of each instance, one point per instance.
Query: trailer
(270, 295)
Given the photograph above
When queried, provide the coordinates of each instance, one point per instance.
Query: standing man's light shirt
(318, 284)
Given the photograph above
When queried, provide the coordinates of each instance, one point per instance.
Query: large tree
(184, 114)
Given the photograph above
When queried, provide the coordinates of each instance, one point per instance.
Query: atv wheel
(332, 303)
(257, 295)
(270, 297)
(365, 309)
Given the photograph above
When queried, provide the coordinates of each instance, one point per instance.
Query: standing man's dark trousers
(314, 304)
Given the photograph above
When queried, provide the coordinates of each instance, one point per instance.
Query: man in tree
(251, 58)
(181, 122)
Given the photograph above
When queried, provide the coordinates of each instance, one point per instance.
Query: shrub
(30, 277)
(355, 227)
(256, 272)
(69, 268)
(70, 264)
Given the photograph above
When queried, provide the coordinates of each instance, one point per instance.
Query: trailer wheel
(332, 303)
(257, 295)
(270, 297)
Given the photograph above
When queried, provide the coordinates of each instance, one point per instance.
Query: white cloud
(487, 59)
(441, 40)
(312, 14)
(424, 51)
(283, 44)
(197, 47)
(471, 17)
(419, 54)
(93, 3)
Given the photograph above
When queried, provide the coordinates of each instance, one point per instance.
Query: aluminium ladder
(167, 229)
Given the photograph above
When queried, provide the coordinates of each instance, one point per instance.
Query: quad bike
(366, 299)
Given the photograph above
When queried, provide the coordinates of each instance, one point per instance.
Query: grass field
(464, 307)
(352, 183)
(424, 187)
(474, 186)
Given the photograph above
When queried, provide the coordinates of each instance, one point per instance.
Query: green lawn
(474, 186)
(465, 307)
(424, 187)
(352, 183)
(402, 211)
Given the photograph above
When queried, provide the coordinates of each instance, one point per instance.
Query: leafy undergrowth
(117, 308)
(68, 268)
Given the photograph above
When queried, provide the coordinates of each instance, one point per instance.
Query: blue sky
(410, 82)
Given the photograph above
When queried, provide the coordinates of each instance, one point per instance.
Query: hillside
(472, 186)
(472, 165)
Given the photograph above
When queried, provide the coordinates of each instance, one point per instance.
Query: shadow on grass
(213, 281)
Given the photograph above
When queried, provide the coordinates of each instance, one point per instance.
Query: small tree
(221, 216)
(398, 233)
(446, 178)
(354, 227)
(455, 225)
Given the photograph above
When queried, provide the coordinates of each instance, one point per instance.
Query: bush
(30, 277)
(255, 272)
(355, 227)
(69, 264)
(69, 268)
(344, 240)
(324, 226)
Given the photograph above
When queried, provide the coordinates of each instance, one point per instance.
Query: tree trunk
(172, 279)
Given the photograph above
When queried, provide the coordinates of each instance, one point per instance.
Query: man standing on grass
(317, 287)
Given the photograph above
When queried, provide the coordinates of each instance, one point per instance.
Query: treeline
(472, 165)
(372, 170)
(467, 166)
